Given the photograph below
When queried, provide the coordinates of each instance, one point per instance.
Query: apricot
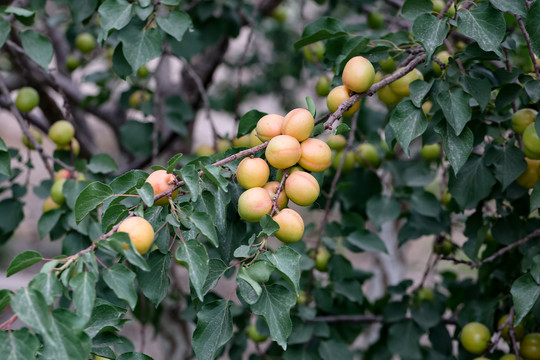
(314, 52)
(387, 96)
(522, 118)
(302, 188)
(254, 139)
(323, 85)
(223, 145)
(72, 63)
(49, 205)
(61, 132)
(56, 191)
(298, 123)
(140, 233)
(401, 85)
(338, 95)
(369, 152)
(161, 182)
(74, 146)
(283, 151)
(431, 152)
(36, 135)
(205, 150)
(254, 203)
(426, 107)
(291, 226)
(279, 174)
(348, 165)
(530, 176)
(316, 155)
(336, 142)
(444, 57)
(138, 98)
(252, 172)
(85, 42)
(388, 65)
(282, 200)
(242, 141)
(519, 331)
(358, 74)
(27, 99)
(62, 174)
(269, 126)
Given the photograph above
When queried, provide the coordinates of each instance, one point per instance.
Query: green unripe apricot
(61, 132)
(56, 192)
(444, 57)
(85, 42)
(254, 334)
(72, 63)
(321, 259)
(401, 85)
(143, 72)
(523, 118)
(323, 86)
(337, 142)
(475, 337)
(348, 165)
(314, 52)
(369, 153)
(375, 20)
(431, 152)
(36, 135)
(27, 99)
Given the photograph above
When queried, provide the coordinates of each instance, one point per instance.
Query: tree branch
(528, 41)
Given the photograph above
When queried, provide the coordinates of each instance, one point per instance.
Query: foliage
(78, 303)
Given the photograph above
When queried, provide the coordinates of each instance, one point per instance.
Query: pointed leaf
(146, 192)
(456, 148)
(5, 29)
(140, 45)
(473, 184)
(408, 122)
(176, 23)
(287, 262)
(37, 47)
(525, 293)
(18, 345)
(121, 280)
(480, 89)
(84, 293)
(190, 176)
(155, 283)
(321, 29)
(455, 106)
(214, 329)
(508, 162)
(91, 197)
(22, 261)
(511, 6)
(31, 307)
(532, 25)
(204, 224)
(430, 32)
(115, 14)
(483, 23)
(48, 285)
(366, 241)
(194, 256)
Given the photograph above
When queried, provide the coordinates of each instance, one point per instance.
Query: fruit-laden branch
(366, 319)
(445, 9)
(344, 106)
(528, 41)
(500, 252)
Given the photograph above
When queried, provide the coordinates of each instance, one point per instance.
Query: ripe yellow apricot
(254, 203)
(283, 151)
(254, 139)
(252, 172)
(401, 85)
(316, 155)
(338, 95)
(298, 123)
(348, 164)
(530, 176)
(291, 226)
(63, 174)
(242, 141)
(61, 132)
(358, 74)
(36, 135)
(49, 205)
(282, 200)
(161, 182)
(370, 154)
(269, 126)
(302, 188)
(140, 233)
(336, 142)
(523, 118)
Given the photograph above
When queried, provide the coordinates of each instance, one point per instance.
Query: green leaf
(473, 184)
(215, 176)
(176, 23)
(5, 29)
(532, 25)
(366, 241)
(31, 307)
(194, 256)
(403, 339)
(48, 285)
(248, 122)
(351, 289)
(426, 315)
(11, 213)
(484, 24)
(5, 298)
(408, 122)
(84, 293)
(214, 329)
(155, 283)
(115, 14)
(508, 162)
(216, 268)
(47, 221)
(139, 45)
(507, 94)
(413, 8)
(18, 345)
(342, 129)
(419, 89)
(249, 289)
(455, 106)
(269, 226)
(260, 271)
(321, 29)
(37, 47)
(102, 164)
(127, 181)
(121, 280)
(205, 225)
(333, 349)
(525, 292)
(146, 192)
(456, 148)
(274, 306)
(134, 356)
(190, 176)
(381, 209)
(535, 197)
(5, 161)
(117, 241)
(22, 261)
(511, 6)
(91, 197)
(311, 106)
(287, 262)
(173, 163)
(430, 32)
(480, 89)
(105, 316)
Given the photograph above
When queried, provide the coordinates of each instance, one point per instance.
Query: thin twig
(278, 191)
(528, 41)
(450, 49)
(365, 319)
(445, 9)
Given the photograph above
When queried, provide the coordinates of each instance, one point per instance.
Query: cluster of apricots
(523, 123)
(475, 338)
(289, 147)
(365, 155)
